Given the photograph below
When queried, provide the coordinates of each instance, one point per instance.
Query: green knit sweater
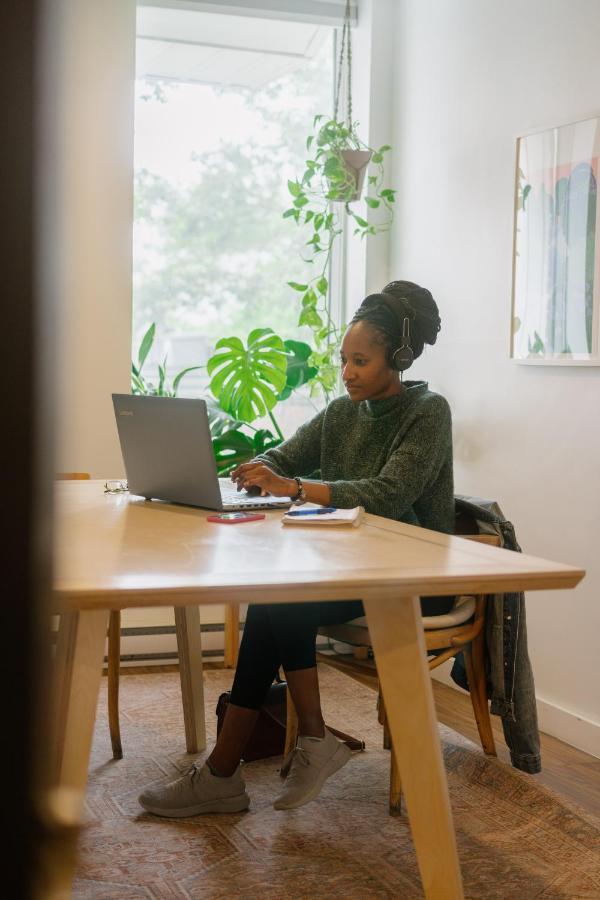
(393, 456)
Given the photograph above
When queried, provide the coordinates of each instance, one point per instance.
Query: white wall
(469, 76)
(88, 88)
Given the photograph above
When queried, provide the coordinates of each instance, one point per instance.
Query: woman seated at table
(387, 446)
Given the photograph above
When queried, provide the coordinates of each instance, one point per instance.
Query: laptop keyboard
(232, 497)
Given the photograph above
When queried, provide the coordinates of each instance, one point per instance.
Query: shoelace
(298, 756)
(188, 775)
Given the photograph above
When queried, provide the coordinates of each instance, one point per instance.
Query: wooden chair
(462, 630)
(113, 653)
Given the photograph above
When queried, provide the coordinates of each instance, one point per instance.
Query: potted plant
(140, 384)
(248, 381)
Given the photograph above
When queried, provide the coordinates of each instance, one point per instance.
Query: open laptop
(168, 455)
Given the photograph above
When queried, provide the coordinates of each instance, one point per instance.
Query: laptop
(168, 455)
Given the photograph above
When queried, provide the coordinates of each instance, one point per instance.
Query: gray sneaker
(308, 767)
(195, 792)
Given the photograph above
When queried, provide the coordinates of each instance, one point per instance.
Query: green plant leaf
(247, 380)
(309, 141)
(309, 316)
(231, 449)
(300, 201)
(294, 188)
(145, 346)
(138, 384)
(385, 148)
(333, 168)
(377, 158)
(371, 202)
(360, 221)
(310, 298)
(296, 286)
(289, 212)
(322, 285)
(298, 369)
(218, 420)
(180, 375)
(162, 374)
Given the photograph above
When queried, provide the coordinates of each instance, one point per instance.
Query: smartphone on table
(234, 518)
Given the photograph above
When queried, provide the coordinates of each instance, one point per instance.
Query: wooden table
(118, 551)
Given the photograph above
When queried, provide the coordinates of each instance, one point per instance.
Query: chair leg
(474, 661)
(395, 786)
(114, 662)
(231, 635)
(382, 719)
(291, 724)
(395, 783)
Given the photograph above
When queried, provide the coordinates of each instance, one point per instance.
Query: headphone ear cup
(403, 358)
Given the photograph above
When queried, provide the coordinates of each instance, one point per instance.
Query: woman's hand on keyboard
(254, 475)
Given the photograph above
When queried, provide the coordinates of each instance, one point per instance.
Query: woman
(387, 446)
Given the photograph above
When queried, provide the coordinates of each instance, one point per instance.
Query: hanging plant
(337, 167)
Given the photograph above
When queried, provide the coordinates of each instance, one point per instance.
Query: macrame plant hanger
(355, 160)
(346, 37)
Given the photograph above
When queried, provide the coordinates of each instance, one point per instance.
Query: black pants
(284, 634)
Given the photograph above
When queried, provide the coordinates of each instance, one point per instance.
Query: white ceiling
(211, 48)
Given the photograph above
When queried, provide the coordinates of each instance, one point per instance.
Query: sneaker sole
(339, 759)
(222, 805)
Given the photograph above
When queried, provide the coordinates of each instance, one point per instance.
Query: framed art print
(556, 257)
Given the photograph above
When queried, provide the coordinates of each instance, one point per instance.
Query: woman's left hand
(258, 475)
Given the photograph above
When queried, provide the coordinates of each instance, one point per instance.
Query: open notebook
(312, 515)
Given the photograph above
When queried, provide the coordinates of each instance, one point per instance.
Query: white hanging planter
(356, 162)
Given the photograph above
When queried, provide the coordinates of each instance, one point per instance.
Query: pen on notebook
(312, 512)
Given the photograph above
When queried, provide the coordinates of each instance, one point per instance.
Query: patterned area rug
(516, 839)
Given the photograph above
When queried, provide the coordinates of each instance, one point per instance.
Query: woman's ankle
(221, 769)
(312, 729)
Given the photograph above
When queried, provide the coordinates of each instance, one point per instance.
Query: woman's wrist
(301, 496)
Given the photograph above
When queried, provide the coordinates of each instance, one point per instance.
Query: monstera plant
(248, 381)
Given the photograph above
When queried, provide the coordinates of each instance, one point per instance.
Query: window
(223, 107)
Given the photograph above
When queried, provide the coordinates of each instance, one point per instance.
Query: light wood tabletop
(115, 551)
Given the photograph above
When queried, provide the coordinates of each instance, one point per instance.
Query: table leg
(398, 643)
(78, 670)
(189, 646)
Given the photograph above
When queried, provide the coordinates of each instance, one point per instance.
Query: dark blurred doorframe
(36, 834)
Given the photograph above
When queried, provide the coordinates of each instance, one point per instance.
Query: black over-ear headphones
(402, 357)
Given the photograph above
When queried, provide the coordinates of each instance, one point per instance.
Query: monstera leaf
(298, 369)
(234, 447)
(247, 381)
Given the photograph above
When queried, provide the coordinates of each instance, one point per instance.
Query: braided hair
(386, 312)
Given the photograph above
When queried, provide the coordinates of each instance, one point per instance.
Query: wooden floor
(569, 772)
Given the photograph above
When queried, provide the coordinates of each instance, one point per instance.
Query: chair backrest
(73, 476)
